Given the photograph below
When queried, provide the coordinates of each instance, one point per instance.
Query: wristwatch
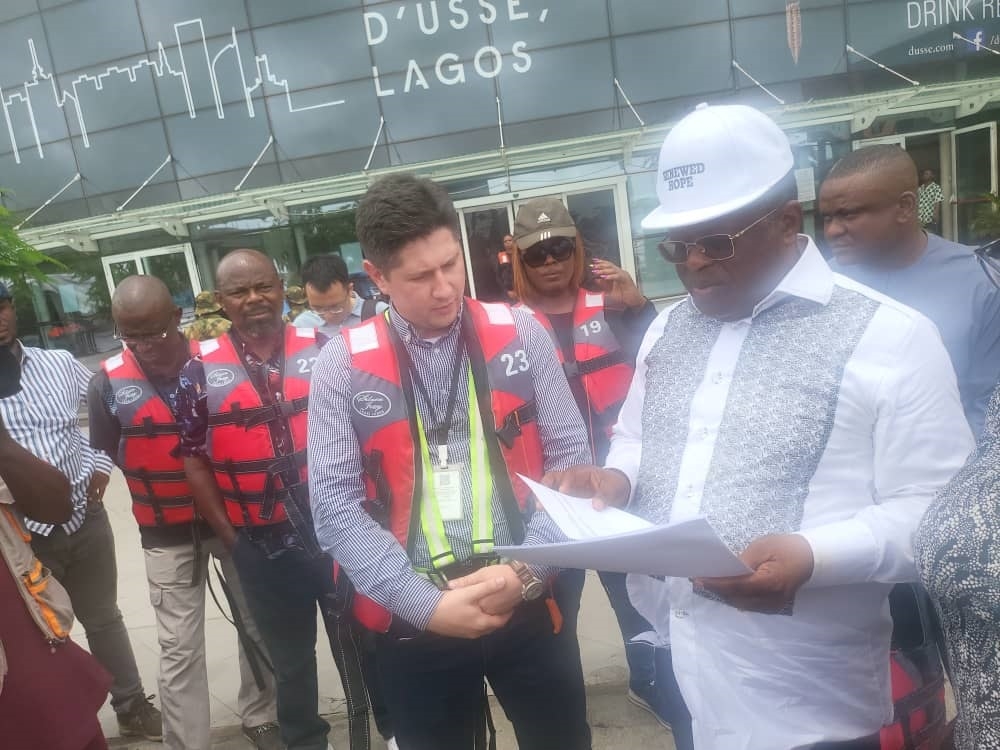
(531, 586)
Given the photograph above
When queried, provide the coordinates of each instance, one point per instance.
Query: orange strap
(554, 614)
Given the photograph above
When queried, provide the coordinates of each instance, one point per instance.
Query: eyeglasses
(328, 310)
(560, 248)
(989, 259)
(712, 246)
(139, 338)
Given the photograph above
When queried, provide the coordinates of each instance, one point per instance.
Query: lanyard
(439, 433)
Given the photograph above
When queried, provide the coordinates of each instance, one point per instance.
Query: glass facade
(176, 103)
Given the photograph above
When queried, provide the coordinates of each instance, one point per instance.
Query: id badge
(448, 492)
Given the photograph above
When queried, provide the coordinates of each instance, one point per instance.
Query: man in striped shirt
(44, 419)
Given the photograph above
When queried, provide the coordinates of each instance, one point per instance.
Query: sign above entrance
(180, 98)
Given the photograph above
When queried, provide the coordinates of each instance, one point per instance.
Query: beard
(259, 328)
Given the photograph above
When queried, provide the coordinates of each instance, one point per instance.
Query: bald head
(141, 296)
(868, 202)
(147, 318)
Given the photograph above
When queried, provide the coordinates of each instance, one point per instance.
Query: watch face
(533, 590)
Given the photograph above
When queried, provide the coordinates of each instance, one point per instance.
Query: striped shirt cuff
(543, 530)
(103, 462)
(416, 601)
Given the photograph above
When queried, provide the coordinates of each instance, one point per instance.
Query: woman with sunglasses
(957, 549)
(597, 335)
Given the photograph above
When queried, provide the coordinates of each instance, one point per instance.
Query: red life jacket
(247, 468)
(919, 707)
(599, 361)
(148, 452)
(382, 413)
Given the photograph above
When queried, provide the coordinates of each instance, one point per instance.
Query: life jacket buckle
(511, 428)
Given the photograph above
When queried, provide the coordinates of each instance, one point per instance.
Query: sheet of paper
(688, 549)
(626, 543)
(576, 516)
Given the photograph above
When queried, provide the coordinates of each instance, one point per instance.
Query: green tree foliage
(18, 259)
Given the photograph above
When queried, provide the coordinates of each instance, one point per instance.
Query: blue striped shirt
(44, 418)
(376, 563)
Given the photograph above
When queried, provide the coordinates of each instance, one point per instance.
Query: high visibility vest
(248, 470)
(148, 451)
(395, 450)
(599, 361)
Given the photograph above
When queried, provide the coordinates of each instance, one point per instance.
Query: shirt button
(680, 614)
(718, 378)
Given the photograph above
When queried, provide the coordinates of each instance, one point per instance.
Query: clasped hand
(477, 604)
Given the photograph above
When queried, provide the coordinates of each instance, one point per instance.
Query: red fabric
(49, 699)
(152, 453)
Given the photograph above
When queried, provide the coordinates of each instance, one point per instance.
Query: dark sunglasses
(712, 246)
(989, 259)
(560, 248)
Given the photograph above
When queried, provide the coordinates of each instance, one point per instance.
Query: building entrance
(174, 266)
(599, 210)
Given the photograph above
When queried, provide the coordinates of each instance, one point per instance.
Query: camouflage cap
(205, 304)
(296, 295)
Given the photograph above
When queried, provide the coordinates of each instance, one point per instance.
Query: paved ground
(616, 723)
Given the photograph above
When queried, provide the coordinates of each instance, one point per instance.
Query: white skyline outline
(161, 67)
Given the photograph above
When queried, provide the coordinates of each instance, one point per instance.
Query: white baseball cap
(715, 161)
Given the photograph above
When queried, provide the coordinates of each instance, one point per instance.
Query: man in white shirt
(809, 418)
(333, 303)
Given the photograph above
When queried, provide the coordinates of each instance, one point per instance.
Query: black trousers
(434, 691)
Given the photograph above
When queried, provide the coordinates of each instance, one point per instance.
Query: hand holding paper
(618, 541)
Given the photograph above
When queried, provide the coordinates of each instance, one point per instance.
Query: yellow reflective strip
(431, 523)
(482, 481)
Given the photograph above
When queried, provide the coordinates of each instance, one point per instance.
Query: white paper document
(576, 516)
(617, 541)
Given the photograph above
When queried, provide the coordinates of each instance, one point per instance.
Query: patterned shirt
(831, 413)
(192, 397)
(106, 433)
(956, 552)
(44, 418)
(928, 197)
(376, 563)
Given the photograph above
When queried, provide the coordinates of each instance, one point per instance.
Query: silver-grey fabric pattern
(956, 548)
(777, 418)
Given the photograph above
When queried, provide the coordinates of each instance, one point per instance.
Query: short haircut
(322, 271)
(873, 160)
(399, 209)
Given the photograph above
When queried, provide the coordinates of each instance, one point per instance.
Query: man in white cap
(809, 418)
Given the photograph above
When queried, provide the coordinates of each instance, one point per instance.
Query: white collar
(810, 278)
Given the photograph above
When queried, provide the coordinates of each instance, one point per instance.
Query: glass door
(974, 151)
(483, 230)
(599, 210)
(174, 266)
